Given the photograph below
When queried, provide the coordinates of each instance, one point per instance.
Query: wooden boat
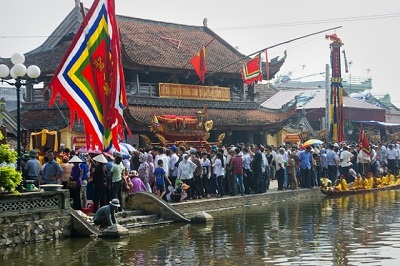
(330, 193)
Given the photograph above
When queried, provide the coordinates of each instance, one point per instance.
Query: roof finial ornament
(77, 3)
(205, 22)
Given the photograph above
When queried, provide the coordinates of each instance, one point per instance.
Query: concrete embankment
(272, 196)
(159, 212)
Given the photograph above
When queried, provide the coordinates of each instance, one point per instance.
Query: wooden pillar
(263, 137)
(249, 136)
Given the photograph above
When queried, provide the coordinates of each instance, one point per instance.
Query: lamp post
(17, 73)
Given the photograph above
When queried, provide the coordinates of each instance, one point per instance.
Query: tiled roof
(40, 119)
(225, 117)
(51, 119)
(266, 91)
(152, 45)
(47, 60)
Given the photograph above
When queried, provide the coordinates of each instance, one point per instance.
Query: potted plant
(10, 178)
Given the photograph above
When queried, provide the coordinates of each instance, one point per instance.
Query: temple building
(160, 80)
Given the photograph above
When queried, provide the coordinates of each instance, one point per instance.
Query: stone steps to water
(151, 218)
(137, 218)
(127, 213)
(147, 224)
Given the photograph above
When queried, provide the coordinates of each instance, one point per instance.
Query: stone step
(131, 226)
(134, 219)
(138, 219)
(127, 213)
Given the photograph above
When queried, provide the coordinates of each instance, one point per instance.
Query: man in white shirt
(345, 163)
(161, 155)
(280, 171)
(173, 159)
(248, 178)
(285, 157)
(392, 157)
(265, 172)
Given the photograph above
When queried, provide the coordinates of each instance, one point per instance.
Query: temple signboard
(194, 92)
(78, 142)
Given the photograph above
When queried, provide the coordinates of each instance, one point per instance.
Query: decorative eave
(167, 102)
(274, 66)
(10, 122)
(249, 119)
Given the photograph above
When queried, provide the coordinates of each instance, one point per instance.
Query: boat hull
(333, 193)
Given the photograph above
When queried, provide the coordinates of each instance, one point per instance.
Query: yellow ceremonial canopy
(44, 138)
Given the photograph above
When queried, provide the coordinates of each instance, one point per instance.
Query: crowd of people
(180, 174)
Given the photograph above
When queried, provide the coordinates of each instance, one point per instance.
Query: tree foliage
(10, 178)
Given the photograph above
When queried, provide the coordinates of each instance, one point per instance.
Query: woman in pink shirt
(137, 183)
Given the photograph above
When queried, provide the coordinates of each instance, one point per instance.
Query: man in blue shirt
(105, 216)
(331, 158)
(305, 158)
(32, 167)
(52, 170)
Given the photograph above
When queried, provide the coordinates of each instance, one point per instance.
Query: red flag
(363, 142)
(199, 64)
(251, 71)
(266, 64)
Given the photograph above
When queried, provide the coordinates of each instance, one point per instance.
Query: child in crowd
(180, 193)
(160, 177)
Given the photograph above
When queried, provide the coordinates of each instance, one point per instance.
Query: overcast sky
(370, 30)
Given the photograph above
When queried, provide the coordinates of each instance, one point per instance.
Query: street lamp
(17, 73)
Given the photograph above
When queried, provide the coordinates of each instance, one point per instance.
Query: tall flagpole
(327, 97)
(269, 47)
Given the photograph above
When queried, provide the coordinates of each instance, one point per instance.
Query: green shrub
(10, 178)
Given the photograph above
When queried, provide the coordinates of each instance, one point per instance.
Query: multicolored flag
(251, 71)
(90, 78)
(199, 64)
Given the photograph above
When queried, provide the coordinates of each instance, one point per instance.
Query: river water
(352, 230)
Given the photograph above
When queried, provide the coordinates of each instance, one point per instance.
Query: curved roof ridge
(145, 20)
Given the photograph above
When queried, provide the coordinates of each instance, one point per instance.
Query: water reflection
(351, 230)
